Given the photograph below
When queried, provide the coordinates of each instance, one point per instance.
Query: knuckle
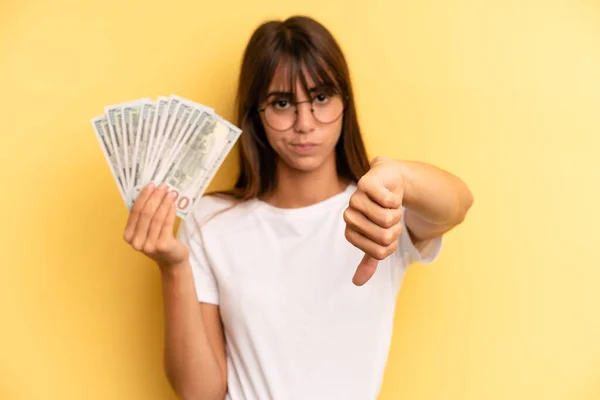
(354, 202)
(162, 246)
(399, 230)
(380, 253)
(157, 218)
(147, 213)
(388, 237)
(347, 217)
(149, 248)
(388, 219)
(348, 234)
(388, 199)
(137, 245)
(398, 215)
(362, 183)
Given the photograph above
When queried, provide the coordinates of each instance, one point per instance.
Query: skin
(303, 178)
(435, 201)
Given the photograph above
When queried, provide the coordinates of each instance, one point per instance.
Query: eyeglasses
(281, 114)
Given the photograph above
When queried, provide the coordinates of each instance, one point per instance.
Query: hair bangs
(295, 62)
(314, 66)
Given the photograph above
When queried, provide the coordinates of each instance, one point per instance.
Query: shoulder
(208, 206)
(206, 209)
(219, 211)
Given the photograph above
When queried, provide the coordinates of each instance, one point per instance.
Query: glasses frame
(312, 111)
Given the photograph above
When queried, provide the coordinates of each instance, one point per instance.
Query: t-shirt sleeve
(204, 278)
(410, 254)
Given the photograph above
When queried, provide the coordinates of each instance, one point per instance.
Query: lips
(302, 143)
(303, 147)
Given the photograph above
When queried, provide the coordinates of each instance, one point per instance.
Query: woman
(284, 288)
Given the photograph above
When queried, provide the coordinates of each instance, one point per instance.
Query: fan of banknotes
(170, 140)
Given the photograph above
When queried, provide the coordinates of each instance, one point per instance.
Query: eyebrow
(313, 89)
(279, 94)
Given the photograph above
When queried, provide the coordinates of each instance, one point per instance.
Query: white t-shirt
(296, 327)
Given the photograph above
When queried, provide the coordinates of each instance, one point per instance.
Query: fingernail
(173, 194)
(162, 186)
(151, 186)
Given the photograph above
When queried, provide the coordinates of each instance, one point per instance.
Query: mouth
(303, 147)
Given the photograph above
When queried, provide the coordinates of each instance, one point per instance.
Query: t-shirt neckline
(306, 210)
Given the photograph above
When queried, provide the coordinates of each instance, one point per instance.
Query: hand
(373, 217)
(150, 227)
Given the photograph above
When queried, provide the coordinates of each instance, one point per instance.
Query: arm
(195, 362)
(435, 200)
(194, 355)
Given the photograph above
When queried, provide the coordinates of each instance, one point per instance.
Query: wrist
(406, 178)
(170, 271)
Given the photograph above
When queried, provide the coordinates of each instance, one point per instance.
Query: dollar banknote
(164, 123)
(115, 128)
(130, 117)
(171, 135)
(154, 136)
(169, 140)
(100, 125)
(170, 153)
(194, 162)
(146, 118)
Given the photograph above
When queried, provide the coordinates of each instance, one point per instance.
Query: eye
(280, 104)
(321, 98)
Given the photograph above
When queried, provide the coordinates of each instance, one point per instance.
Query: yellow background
(504, 93)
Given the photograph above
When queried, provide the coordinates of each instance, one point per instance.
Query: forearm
(190, 363)
(434, 195)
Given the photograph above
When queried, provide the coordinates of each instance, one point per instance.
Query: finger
(146, 215)
(134, 215)
(365, 270)
(167, 229)
(379, 193)
(368, 246)
(384, 217)
(159, 218)
(382, 236)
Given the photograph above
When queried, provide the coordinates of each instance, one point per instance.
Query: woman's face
(303, 142)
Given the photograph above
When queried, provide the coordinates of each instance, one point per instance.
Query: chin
(305, 164)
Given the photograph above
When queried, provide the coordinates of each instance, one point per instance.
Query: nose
(305, 120)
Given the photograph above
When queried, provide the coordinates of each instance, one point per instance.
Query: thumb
(365, 270)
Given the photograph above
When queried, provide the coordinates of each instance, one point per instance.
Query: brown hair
(305, 46)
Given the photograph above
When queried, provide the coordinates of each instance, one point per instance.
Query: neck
(296, 189)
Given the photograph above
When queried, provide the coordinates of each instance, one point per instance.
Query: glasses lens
(280, 119)
(325, 108)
